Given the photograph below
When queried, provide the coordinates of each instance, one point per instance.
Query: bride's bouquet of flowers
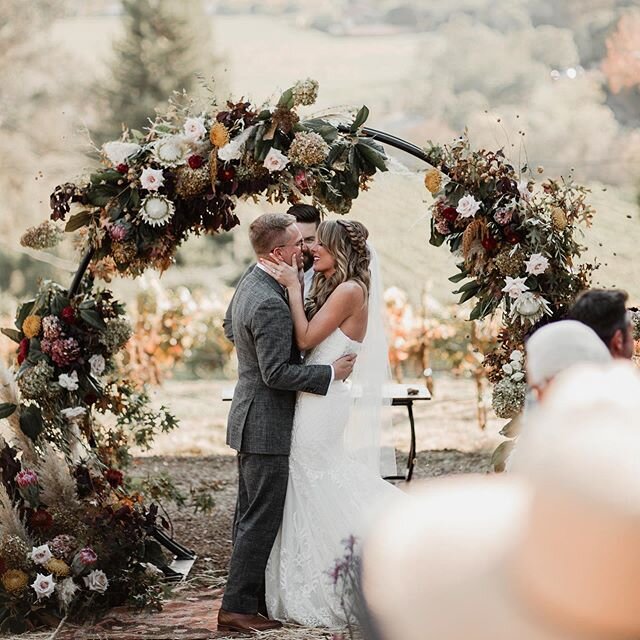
(185, 175)
(517, 248)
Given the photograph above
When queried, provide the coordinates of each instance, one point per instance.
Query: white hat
(560, 345)
(552, 553)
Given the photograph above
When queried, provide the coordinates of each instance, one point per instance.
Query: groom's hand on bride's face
(343, 367)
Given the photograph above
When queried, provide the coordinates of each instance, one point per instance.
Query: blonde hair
(346, 241)
(268, 230)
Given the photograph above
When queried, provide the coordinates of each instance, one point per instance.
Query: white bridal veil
(370, 415)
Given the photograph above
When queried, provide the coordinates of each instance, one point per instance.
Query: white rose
(69, 381)
(118, 152)
(97, 364)
(515, 286)
(41, 555)
(536, 264)
(194, 129)
(467, 206)
(171, 151)
(73, 412)
(275, 160)
(96, 581)
(151, 179)
(44, 586)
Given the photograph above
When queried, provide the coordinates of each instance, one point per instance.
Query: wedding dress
(330, 496)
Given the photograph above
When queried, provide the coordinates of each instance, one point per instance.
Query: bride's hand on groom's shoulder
(288, 275)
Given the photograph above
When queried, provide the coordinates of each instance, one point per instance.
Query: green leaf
(467, 286)
(512, 428)
(286, 99)
(336, 152)
(101, 194)
(361, 118)
(458, 277)
(12, 334)
(24, 311)
(467, 295)
(31, 421)
(500, 455)
(328, 132)
(372, 156)
(7, 409)
(93, 318)
(78, 220)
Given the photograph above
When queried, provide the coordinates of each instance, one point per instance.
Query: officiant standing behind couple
(308, 452)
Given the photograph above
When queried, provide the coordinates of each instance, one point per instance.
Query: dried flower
(192, 182)
(514, 286)
(68, 315)
(169, 151)
(151, 179)
(275, 160)
(15, 551)
(63, 546)
(530, 307)
(468, 206)
(510, 262)
(308, 149)
(305, 92)
(117, 333)
(66, 591)
(97, 581)
(64, 351)
(558, 219)
(51, 327)
(44, 586)
(83, 559)
(503, 216)
(156, 210)
(508, 398)
(43, 236)
(23, 350)
(194, 129)
(14, 581)
(40, 519)
(34, 382)
(118, 232)
(433, 180)
(41, 554)
(114, 477)
(31, 326)
(69, 381)
(284, 119)
(219, 135)
(118, 152)
(97, 364)
(58, 568)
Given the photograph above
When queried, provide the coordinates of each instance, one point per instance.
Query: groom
(259, 323)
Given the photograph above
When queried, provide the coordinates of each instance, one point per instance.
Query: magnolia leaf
(31, 421)
(93, 318)
(512, 428)
(24, 311)
(467, 295)
(78, 220)
(13, 334)
(7, 409)
(458, 277)
(328, 132)
(361, 118)
(286, 99)
(501, 454)
(372, 156)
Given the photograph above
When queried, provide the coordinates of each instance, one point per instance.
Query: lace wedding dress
(331, 495)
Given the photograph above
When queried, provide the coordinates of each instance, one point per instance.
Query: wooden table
(401, 395)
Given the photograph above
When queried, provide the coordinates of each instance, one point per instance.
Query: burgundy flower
(195, 161)
(118, 232)
(40, 519)
(489, 243)
(26, 478)
(87, 556)
(64, 351)
(23, 350)
(122, 168)
(449, 214)
(51, 327)
(90, 398)
(3, 566)
(228, 174)
(68, 315)
(114, 477)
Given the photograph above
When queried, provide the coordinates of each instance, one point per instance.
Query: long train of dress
(330, 496)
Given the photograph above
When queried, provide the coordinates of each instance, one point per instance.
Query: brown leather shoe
(245, 622)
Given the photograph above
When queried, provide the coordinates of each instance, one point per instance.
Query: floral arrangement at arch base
(187, 173)
(516, 240)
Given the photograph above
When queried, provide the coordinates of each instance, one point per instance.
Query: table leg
(412, 448)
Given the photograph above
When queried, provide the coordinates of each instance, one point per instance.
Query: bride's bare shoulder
(350, 289)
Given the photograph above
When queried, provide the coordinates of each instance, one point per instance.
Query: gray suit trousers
(262, 488)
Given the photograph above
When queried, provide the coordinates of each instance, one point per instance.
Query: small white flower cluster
(305, 92)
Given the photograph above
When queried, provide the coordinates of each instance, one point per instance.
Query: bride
(335, 480)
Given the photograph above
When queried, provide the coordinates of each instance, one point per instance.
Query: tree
(164, 46)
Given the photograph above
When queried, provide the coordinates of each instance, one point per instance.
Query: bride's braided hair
(346, 241)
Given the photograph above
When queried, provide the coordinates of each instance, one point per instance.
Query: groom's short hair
(267, 231)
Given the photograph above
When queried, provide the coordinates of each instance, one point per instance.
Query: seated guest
(559, 346)
(605, 311)
(548, 553)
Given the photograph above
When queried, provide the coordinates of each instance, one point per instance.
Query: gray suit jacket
(258, 322)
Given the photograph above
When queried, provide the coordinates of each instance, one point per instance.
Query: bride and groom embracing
(307, 441)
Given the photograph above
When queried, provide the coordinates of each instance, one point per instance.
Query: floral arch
(62, 487)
